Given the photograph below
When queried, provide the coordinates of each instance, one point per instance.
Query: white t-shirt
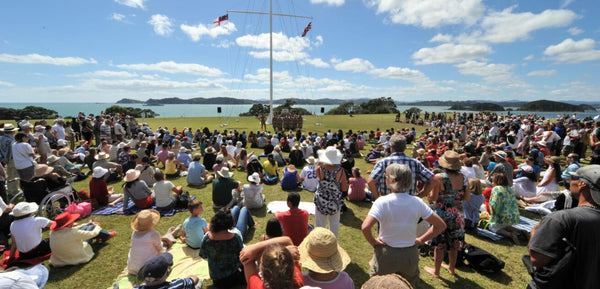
(162, 193)
(309, 175)
(28, 232)
(398, 215)
(22, 155)
(59, 130)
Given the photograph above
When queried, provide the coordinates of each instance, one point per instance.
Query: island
(547, 105)
(484, 106)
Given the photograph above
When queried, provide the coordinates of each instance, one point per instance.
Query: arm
(437, 227)
(373, 187)
(432, 188)
(368, 233)
(253, 253)
(343, 181)
(538, 259)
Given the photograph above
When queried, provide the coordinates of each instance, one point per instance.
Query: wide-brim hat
(209, 150)
(52, 159)
(310, 160)
(450, 160)
(254, 178)
(542, 143)
(42, 170)
(63, 220)
(61, 143)
(590, 175)
(330, 156)
(8, 127)
(320, 252)
(63, 151)
(225, 173)
(131, 175)
(99, 172)
(501, 154)
(101, 156)
(197, 157)
(24, 208)
(252, 158)
(553, 159)
(145, 220)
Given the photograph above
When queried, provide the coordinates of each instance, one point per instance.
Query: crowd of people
(463, 166)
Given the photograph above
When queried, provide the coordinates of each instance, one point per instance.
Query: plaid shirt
(419, 171)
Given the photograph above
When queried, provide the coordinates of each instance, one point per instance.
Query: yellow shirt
(270, 169)
(170, 167)
(69, 247)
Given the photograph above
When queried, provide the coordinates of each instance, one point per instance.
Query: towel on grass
(132, 209)
(4, 263)
(525, 224)
(281, 206)
(186, 262)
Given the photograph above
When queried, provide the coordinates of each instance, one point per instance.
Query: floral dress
(449, 207)
(503, 207)
(328, 197)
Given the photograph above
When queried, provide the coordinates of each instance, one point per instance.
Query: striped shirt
(419, 171)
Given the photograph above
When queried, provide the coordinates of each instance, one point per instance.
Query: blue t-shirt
(195, 171)
(194, 231)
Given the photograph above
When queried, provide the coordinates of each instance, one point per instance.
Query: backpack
(480, 260)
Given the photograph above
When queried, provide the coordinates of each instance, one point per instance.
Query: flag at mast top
(221, 19)
(307, 28)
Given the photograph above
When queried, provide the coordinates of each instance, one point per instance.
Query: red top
(254, 282)
(294, 223)
(99, 191)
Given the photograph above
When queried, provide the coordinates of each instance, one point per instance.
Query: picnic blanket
(132, 209)
(281, 206)
(4, 263)
(525, 224)
(186, 262)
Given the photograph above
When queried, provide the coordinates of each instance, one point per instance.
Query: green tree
(133, 111)
(413, 110)
(256, 110)
(377, 106)
(344, 108)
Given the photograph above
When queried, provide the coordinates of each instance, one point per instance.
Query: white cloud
(575, 31)
(353, 65)
(542, 73)
(579, 90)
(317, 62)
(570, 51)
(132, 3)
(173, 67)
(399, 73)
(430, 13)
(105, 73)
(279, 55)
(280, 42)
(451, 53)
(328, 2)
(162, 24)
(43, 59)
(223, 44)
(566, 3)
(506, 26)
(441, 38)
(6, 84)
(147, 85)
(196, 32)
(528, 57)
(117, 17)
(498, 73)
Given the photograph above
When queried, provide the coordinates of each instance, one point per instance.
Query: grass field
(111, 258)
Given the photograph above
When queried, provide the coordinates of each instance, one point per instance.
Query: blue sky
(102, 51)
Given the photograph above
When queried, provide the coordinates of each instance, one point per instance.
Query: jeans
(102, 235)
(243, 219)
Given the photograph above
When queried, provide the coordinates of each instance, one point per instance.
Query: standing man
(576, 227)
(7, 157)
(376, 180)
(263, 122)
(595, 144)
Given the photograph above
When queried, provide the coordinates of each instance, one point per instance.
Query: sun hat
(210, 150)
(131, 175)
(310, 160)
(145, 220)
(63, 151)
(389, 281)
(52, 159)
(101, 156)
(61, 143)
(225, 173)
(320, 252)
(219, 158)
(590, 175)
(330, 156)
(197, 157)
(157, 266)
(501, 154)
(63, 220)
(254, 178)
(553, 159)
(99, 172)
(27, 125)
(42, 170)
(8, 127)
(527, 168)
(238, 144)
(450, 160)
(252, 158)
(23, 209)
(542, 143)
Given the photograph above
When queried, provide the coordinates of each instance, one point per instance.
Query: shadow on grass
(59, 273)
(358, 275)
(348, 218)
(498, 277)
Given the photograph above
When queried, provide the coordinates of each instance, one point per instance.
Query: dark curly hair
(222, 220)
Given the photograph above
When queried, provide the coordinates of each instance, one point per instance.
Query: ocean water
(211, 110)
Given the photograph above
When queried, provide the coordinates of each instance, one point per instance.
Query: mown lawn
(111, 258)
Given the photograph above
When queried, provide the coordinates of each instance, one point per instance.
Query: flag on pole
(221, 19)
(307, 28)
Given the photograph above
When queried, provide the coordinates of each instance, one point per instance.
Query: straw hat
(330, 156)
(197, 157)
(389, 281)
(501, 154)
(225, 173)
(310, 160)
(99, 172)
(101, 156)
(131, 175)
(42, 170)
(320, 252)
(145, 220)
(24, 208)
(63, 151)
(63, 220)
(450, 160)
(254, 178)
(553, 159)
(8, 127)
(210, 150)
(52, 159)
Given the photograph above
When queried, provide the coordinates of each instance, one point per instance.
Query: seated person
(197, 174)
(291, 178)
(26, 233)
(33, 277)
(184, 158)
(308, 176)
(156, 271)
(295, 220)
(164, 200)
(358, 187)
(471, 207)
(172, 166)
(194, 227)
(100, 192)
(70, 242)
(219, 164)
(222, 189)
(114, 169)
(272, 230)
(136, 190)
(271, 170)
(147, 170)
(252, 193)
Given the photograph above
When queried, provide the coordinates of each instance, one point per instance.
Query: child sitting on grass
(194, 227)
